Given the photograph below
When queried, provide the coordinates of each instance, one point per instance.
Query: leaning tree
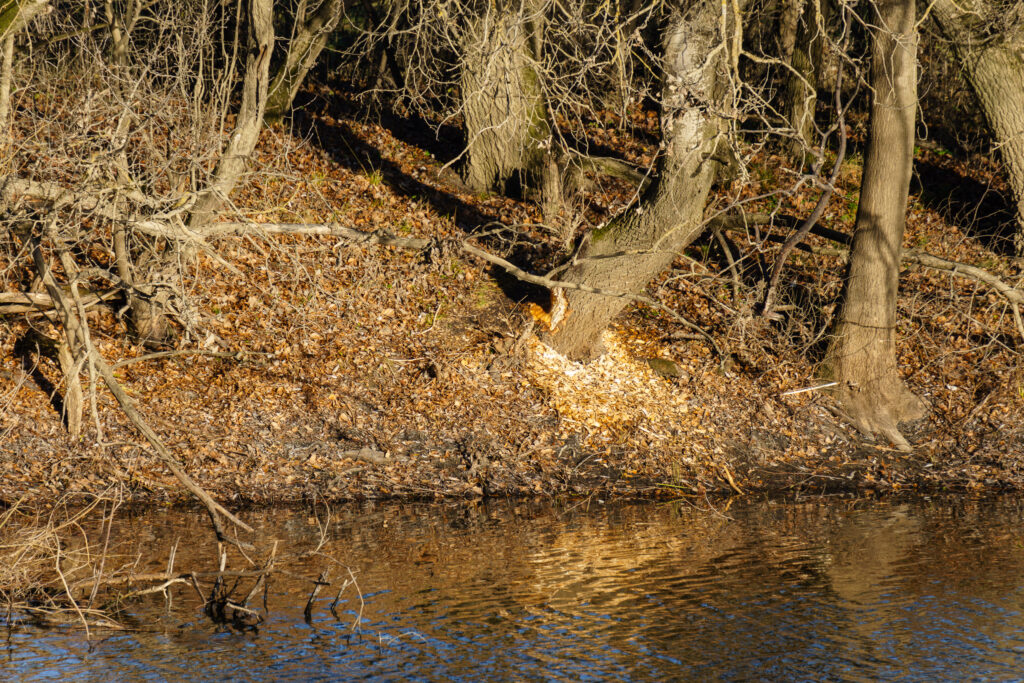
(700, 53)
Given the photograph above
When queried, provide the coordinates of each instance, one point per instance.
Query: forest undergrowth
(312, 367)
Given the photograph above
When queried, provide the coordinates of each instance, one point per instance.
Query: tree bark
(313, 26)
(989, 41)
(249, 121)
(802, 85)
(502, 102)
(789, 22)
(862, 355)
(642, 241)
(15, 14)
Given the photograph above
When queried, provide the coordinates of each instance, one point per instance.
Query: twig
(1013, 295)
(307, 613)
(74, 326)
(794, 392)
(767, 310)
(237, 355)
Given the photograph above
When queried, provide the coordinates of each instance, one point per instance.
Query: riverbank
(313, 368)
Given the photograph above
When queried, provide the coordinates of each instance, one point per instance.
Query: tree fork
(76, 329)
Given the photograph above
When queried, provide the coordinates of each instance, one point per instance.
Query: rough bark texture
(643, 241)
(235, 158)
(862, 356)
(789, 21)
(15, 14)
(503, 105)
(802, 87)
(988, 37)
(313, 26)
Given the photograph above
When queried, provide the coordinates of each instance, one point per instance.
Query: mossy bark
(503, 105)
(643, 241)
(15, 14)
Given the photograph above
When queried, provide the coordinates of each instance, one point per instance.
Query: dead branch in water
(53, 573)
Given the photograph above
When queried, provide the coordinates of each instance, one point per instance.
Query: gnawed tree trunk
(315, 20)
(503, 105)
(862, 355)
(643, 240)
(988, 37)
(802, 85)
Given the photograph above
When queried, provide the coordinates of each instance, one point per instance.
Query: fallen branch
(610, 166)
(350, 235)
(370, 455)
(386, 238)
(229, 355)
(31, 302)
(74, 329)
(1013, 296)
(743, 221)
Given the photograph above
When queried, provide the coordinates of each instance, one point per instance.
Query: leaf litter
(417, 357)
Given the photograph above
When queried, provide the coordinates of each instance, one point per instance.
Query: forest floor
(313, 368)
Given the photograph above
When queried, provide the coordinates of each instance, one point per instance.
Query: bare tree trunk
(313, 26)
(990, 44)
(6, 77)
(503, 104)
(789, 23)
(643, 241)
(235, 158)
(862, 355)
(802, 86)
(14, 15)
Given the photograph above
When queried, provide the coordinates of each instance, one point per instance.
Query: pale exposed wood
(28, 302)
(645, 238)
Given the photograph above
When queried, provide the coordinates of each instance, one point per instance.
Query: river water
(838, 589)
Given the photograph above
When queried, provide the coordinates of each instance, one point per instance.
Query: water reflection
(839, 590)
